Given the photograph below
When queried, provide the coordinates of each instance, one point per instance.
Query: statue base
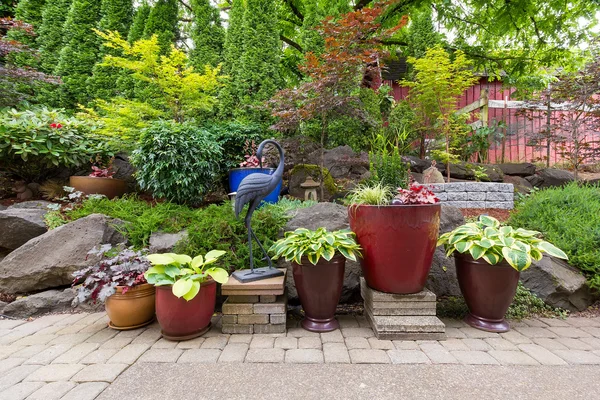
(248, 275)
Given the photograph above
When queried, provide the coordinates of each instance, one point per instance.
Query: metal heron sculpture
(252, 190)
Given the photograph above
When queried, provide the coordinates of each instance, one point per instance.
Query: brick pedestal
(255, 307)
(402, 316)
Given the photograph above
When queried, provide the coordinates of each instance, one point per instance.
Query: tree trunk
(322, 166)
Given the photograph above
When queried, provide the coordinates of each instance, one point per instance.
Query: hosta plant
(488, 240)
(316, 244)
(184, 272)
(116, 268)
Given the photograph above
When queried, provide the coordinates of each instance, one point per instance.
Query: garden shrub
(568, 217)
(177, 161)
(35, 142)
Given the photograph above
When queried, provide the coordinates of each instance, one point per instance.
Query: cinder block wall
(475, 194)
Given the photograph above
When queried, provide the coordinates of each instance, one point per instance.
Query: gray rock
(519, 183)
(161, 242)
(450, 218)
(35, 204)
(2, 208)
(19, 225)
(517, 169)
(2, 305)
(49, 260)
(558, 284)
(555, 177)
(465, 170)
(333, 217)
(457, 196)
(535, 180)
(40, 303)
(416, 164)
(342, 162)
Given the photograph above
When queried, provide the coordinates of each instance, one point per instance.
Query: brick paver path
(76, 356)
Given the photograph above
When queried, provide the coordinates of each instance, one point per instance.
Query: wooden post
(485, 99)
(504, 129)
(548, 122)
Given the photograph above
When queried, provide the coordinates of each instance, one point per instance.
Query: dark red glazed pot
(488, 291)
(398, 244)
(183, 320)
(319, 289)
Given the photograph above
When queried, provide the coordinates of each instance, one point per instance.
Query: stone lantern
(310, 189)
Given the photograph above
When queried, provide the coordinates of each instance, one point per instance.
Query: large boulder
(558, 284)
(161, 242)
(517, 169)
(32, 204)
(416, 164)
(342, 162)
(520, 184)
(333, 217)
(555, 177)
(19, 225)
(124, 170)
(40, 303)
(442, 277)
(466, 171)
(48, 261)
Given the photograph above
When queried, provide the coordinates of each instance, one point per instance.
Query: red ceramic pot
(398, 242)
(319, 289)
(180, 319)
(488, 291)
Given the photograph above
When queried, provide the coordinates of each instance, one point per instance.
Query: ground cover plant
(569, 217)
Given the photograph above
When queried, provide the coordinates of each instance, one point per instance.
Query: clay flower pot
(319, 289)
(133, 309)
(110, 187)
(398, 243)
(180, 319)
(488, 291)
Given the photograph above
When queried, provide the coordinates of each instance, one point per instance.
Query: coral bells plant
(116, 268)
(415, 194)
(251, 160)
(102, 172)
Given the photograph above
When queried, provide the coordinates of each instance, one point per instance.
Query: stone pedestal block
(402, 316)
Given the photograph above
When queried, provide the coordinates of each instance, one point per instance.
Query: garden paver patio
(80, 363)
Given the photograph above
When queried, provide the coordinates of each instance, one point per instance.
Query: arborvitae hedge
(136, 32)
(232, 55)
(50, 34)
(162, 22)
(208, 35)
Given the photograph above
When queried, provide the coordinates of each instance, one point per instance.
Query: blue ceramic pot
(237, 174)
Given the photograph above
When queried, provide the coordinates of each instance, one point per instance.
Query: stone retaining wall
(475, 194)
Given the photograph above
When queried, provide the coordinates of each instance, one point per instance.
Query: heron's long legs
(262, 248)
(250, 244)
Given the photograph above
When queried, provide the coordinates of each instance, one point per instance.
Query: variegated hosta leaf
(489, 221)
(491, 232)
(551, 250)
(526, 233)
(507, 241)
(506, 230)
(485, 243)
(462, 247)
(536, 254)
(492, 258)
(347, 253)
(328, 253)
(517, 259)
(521, 246)
(312, 258)
(456, 238)
(476, 251)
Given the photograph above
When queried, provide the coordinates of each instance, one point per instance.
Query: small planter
(319, 288)
(183, 320)
(488, 291)
(398, 243)
(237, 174)
(133, 309)
(110, 187)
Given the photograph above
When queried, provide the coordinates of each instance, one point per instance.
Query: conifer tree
(80, 52)
(136, 32)
(50, 34)
(162, 22)
(116, 16)
(232, 58)
(208, 35)
(29, 11)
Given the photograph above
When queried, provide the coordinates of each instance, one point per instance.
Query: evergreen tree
(139, 22)
(232, 55)
(116, 16)
(259, 75)
(422, 35)
(50, 35)
(78, 56)
(29, 11)
(162, 22)
(208, 35)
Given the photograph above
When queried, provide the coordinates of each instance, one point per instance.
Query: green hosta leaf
(521, 246)
(462, 247)
(315, 246)
(197, 262)
(172, 271)
(349, 254)
(526, 233)
(195, 289)
(492, 258)
(507, 241)
(328, 253)
(218, 274)
(312, 258)
(491, 232)
(330, 239)
(506, 230)
(449, 251)
(485, 243)
(476, 251)
(214, 254)
(489, 221)
(456, 238)
(551, 250)
(182, 286)
(180, 258)
(536, 254)
(158, 269)
(160, 259)
(517, 259)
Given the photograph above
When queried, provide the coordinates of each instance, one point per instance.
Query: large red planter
(183, 320)
(398, 242)
(488, 291)
(319, 289)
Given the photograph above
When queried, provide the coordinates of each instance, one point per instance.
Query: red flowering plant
(56, 125)
(101, 172)
(251, 160)
(415, 194)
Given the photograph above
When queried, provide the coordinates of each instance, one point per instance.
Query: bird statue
(252, 190)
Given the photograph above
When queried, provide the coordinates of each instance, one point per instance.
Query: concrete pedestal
(402, 316)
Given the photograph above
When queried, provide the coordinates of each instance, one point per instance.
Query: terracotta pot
(319, 289)
(398, 244)
(133, 309)
(180, 319)
(488, 291)
(110, 187)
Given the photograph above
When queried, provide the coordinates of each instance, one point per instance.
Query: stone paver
(99, 356)
(129, 354)
(405, 344)
(86, 391)
(532, 332)
(474, 357)
(381, 344)
(357, 332)
(265, 355)
(437, 353)
(477, 344)
(575, 344)
(262, 342)
(541, 354)
(501, 344)
(100, 373)
(299, 332)
(569, 332)
(455, 333)
(309, 343)
(50, 354)
(369, 356)
(332, 337)
(75, 354)
(215, 342)
(473, 333)
(594, 331)
(286, 343)
(512, 357)
(357, 343)
(240, 339)
(200, 356)
(578, 356)
(54, 372)
(52, 391)
(10, 363)
(408, 357)
(593, 342)
(20, 391)
(550, 344)
(161, 355)
(336, 353)
(235, 352)
(304, 356)
(16, 375)
(454, 345)
(187, 344)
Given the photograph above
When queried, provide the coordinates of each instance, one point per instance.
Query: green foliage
(34, 142)
(386, 165)
(400, 128)
(369, 194)
(316, 244)
(184, 273)
(232, 55)
(50, 34)
(569, 217)
(29, 11)
(177, 161)
(488, 240)
(421, 35)
(232, 136)
(136, 31)
(162, 22)
(80, 52)
(208, 35)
